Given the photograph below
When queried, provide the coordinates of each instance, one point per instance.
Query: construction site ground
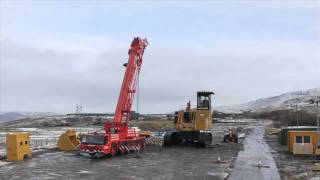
(156, 162)
(292, 167)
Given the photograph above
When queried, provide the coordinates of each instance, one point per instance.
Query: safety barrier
(159, 134)
(153, 140)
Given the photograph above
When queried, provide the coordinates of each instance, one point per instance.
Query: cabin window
(306, 139)
(204, 102)
(93, 139)
(188, 117)
(298, 139)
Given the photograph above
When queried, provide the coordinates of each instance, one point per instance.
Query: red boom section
(128, 87)
(118, 137)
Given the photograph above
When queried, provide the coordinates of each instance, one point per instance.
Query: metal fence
(2, 140)
(35, 143)
(43, 142)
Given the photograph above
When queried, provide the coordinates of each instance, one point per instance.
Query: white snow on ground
(283, 101)
(85, 172)
(42, 137)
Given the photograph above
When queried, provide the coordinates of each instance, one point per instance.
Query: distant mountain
(283, 101)
(16, 115)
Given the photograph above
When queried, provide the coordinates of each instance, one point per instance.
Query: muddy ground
(255, 161)
(154, 162)
(180, 162)
(291, 167)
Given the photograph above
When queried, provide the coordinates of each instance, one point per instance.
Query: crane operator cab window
(204, 100)
(93, 139)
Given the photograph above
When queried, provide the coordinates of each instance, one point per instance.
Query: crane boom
(118, 137)
(130, 79)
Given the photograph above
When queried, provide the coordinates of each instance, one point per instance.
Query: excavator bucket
(68, 141)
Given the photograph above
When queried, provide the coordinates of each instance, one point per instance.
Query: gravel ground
(154, 162)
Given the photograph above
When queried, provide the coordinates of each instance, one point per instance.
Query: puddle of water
(256, 151)
(85, 172)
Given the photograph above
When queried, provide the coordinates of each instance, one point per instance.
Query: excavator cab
(197, 119)
(193, 124)
(204, 100)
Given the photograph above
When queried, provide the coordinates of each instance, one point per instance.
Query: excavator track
(200, 139)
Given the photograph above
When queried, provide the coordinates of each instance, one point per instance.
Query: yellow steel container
(18, 146)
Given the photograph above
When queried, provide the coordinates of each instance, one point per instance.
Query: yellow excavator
(192, 124)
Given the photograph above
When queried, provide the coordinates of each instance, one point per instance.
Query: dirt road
(255, 161)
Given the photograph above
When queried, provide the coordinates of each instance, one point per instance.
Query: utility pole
(78, 112)
(297, 112)
(316, 101)
(297, 108)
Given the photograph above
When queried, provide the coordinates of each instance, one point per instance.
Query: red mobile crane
(118, 137)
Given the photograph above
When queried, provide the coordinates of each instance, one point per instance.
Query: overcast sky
(55, 55)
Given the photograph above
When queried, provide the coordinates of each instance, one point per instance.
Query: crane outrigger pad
(68, 141)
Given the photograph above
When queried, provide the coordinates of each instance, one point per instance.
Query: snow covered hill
(15, 115)
(284, 101)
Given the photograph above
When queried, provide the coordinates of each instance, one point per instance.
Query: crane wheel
(114, 149)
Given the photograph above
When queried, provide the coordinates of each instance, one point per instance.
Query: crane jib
(130, 79)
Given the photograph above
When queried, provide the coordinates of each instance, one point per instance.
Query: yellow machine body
(193, 124)
(145, 133)
(18, 146)
(68, 141)
(194, 120)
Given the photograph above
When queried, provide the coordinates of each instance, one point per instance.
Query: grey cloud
(37, 79)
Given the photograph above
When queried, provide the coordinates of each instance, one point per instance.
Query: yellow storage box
(18, 146)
